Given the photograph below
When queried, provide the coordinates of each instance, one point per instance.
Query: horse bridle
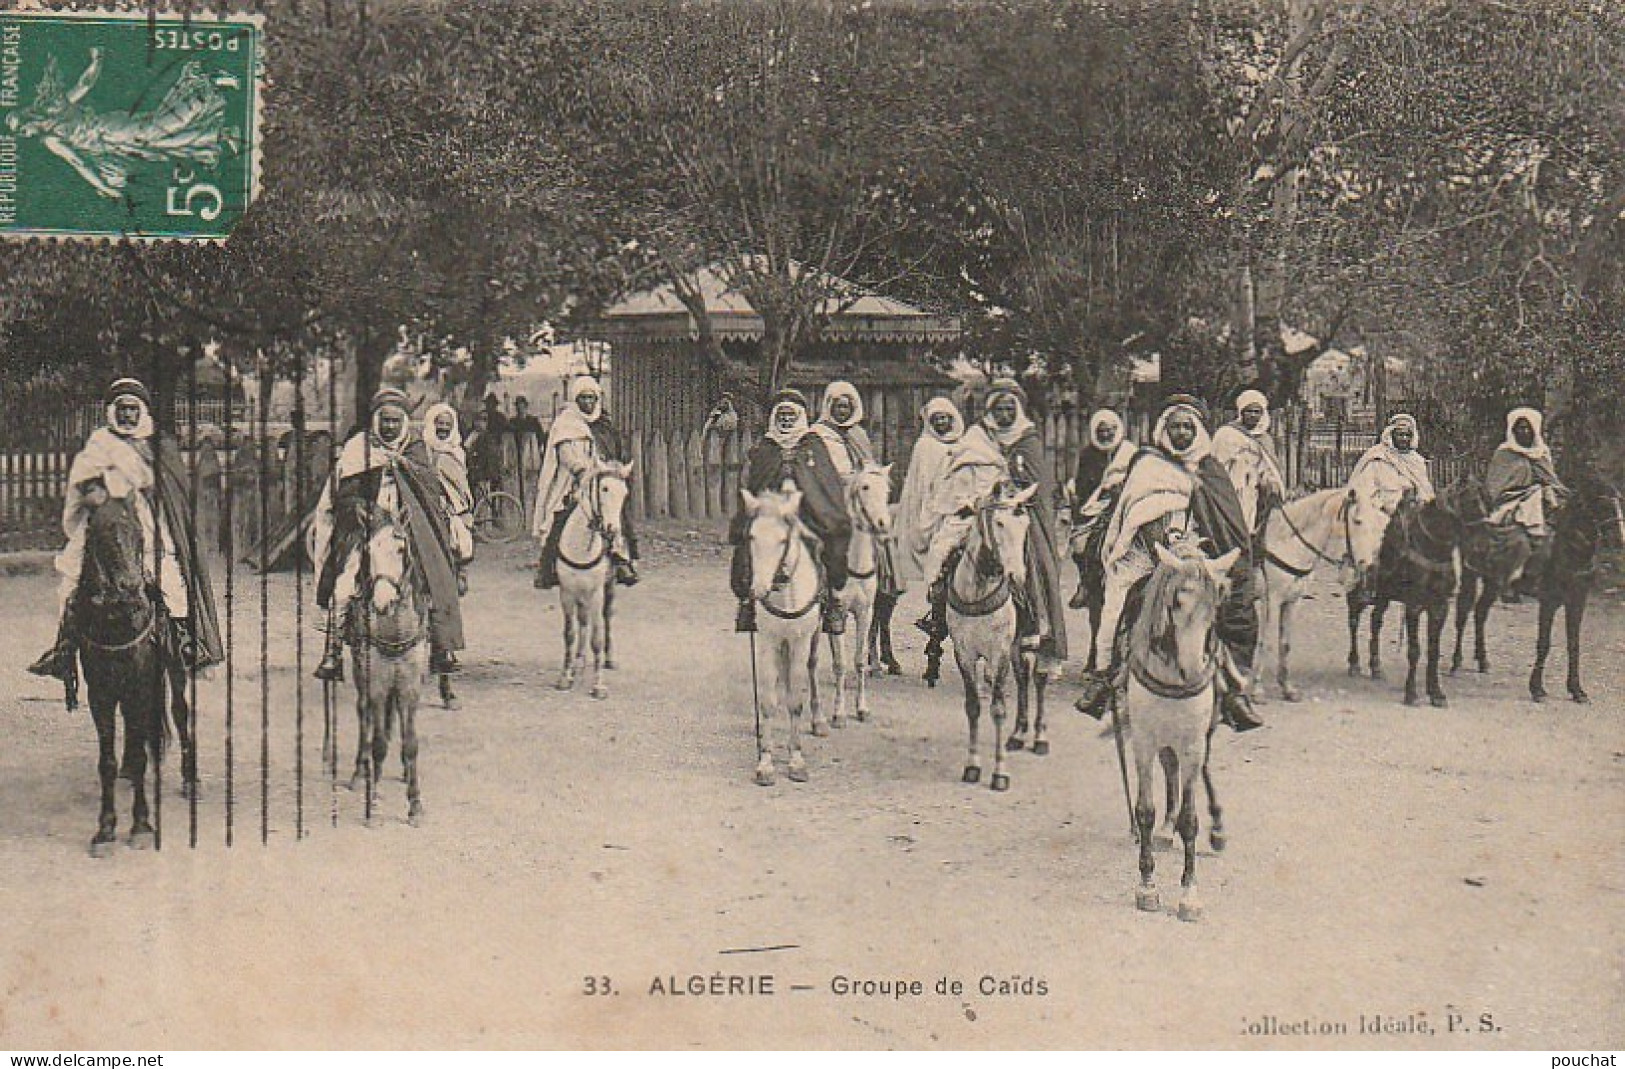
(781, 574)
(994, 599)
(588, 503)
(861, 522)
(1348, 540)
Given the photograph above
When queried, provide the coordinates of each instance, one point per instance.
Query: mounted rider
(1176, 489)
(444, 441)
(385, 470)
(840, 427)
(1524, 490)
(128, 459)
(790, 452)
(927, 502)
(1393, 467)
(582, 437)
(1102, 466)
(1247, 451)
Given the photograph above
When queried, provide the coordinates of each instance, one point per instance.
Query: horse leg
(1574, 611)
(1145, 820)
(1092, 666)
(1543, 647)
(1355, 610)
(608, 615)
(567, 673)
(448, 697)
(105, 712)
(1378, 611)
(1039, 681)
(595, 622)
(1023, 666)
(1481, 613)
(815, 703)
(1170, 813)
(800, 694)
(1413, 650)
(142, 725)
(1436, 614)
(863, 657)
(1001, 680)
(1215, 815)
(884, 607)
(973, 714)
(765, 774)
(1466, 602)
(837, 657)
(1269, 645)
(1190, 905)
(180, 712)
(1283, 651)
(409, 758)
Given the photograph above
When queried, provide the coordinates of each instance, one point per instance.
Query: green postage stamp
(128, 124)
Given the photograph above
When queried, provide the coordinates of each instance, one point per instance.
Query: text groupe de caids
(735, 984)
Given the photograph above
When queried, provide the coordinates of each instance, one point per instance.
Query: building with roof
(664, 382)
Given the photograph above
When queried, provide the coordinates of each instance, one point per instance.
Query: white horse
(982, 616)
(1331, 527)
(590, 531)
(1171, 700)
(389, 649)
(785, 581)
(867, 506)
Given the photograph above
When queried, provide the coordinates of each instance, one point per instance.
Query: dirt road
(1403, 870)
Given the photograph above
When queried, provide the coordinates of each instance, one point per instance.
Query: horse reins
(863, 523)
(994, 599)
(141, 636)
(595, 524)
(791, 537)
(1297, 572)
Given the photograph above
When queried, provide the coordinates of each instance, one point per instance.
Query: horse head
(999, 533)
(868, 499)
(1182, 600)
(775, 530)
(114, 548)
(607, 488)
(388, 561)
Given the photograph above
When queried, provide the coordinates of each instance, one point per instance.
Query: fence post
(679, 477)
(732, 463)
(698, 500)
(659, 478)
(640, 480)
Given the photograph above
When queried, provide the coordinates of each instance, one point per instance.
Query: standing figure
(1524, 490)
(789, 453)
(575, 443)
(381, 472)
(128, 459)
(1176, 491)
(445, 444)
(1247, 452)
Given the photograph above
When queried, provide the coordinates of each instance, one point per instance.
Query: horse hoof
(1354, 671)
(610, 666)
(1537, 696)
(1014, 743)
(1001, 782)
(837, 722)
(414, 816)
(863, 716)
(797, 773)
(191, 789)
(1218, 840)
(1291, 694)
(1438, 701)
(141, 838)
(451, 705)
(599, 692)
(1453, 670)
(102, 846)
(565, 684)
(1040, 747)
(1411, 699)
(820, 729)
(355, 782)
(1147, 900)
(1190, 912)
(1376, 673)
(972, 774)
(765, 777)
(1580, 697)
(1483, 667)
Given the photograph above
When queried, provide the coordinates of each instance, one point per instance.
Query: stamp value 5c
(128, 125)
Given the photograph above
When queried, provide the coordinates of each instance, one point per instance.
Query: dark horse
(1416, 567)
(1563, 583)
(121, 626)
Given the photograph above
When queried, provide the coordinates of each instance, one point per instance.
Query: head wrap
(942, 406)
(1006, 436)
(1538, 450)
(130, 390)
(1247, 399)
(1191, 401)
(584, 386)
(431, 435)
(1200, 446)
(384, 400)
(792, 399)
(1105, 417)
(850, 392)
(1398, 420)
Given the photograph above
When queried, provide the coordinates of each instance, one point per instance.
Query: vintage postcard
(585, 524)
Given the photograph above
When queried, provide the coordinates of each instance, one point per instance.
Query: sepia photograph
(812, 525)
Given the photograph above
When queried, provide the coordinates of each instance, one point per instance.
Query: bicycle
(498, 516)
